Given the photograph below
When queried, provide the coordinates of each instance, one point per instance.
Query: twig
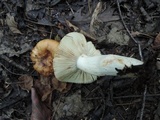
(136, 33)
(53, 115)
(143, 104)
(120, 14)
(95, 14)
(9, 70)
(89, 5)
(121, 115)
(13, 63)
(121, 97)
(70, 7)
(145, 14)
(35, 29)
(10, 103)
(50, 36)
(5, 4)
(79, 30)
(140, 52)
(37, 23)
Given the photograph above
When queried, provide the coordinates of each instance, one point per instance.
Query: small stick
(5, 4)
(143, 104)
(145, 14)
(120, 14)
(89, 6)
(50, 36)
(9, 70)
(70, 7)
(95, 14)
(13, 63)
(140, 52)
(37, 23)
(122, 97)
(58, 104)
(79, 30)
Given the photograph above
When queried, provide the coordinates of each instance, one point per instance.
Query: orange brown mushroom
(42, 56)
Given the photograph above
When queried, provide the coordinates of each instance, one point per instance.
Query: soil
(122, 27)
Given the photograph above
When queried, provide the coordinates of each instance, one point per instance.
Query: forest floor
(122, 27)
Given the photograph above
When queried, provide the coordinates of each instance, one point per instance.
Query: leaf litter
(101, 99)
(12, 24)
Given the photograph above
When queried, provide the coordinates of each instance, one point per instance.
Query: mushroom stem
(105, 64)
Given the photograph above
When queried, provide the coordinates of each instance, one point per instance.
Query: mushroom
(78, 61)
(42, 56)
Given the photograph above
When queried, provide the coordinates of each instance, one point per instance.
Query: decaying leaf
(39, 110)
(116, 36)
(157, 41)
(43, 90)
(8, 114)
(44, 80)
(72, 105)
(80, 30)
(46, 85)
(94, 15)
(25, 82)
(12, 23)
(61, 86)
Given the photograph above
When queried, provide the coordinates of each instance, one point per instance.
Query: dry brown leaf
(39, 109)
(12, 23)
(72, 105)
(45, 80)
(80, 30)
(25, 82)
(117, 36)
(94, 15)
(44, 90)
(157, 40)
(61, 86)
(46, 85)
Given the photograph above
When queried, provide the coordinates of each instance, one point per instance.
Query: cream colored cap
(72, 46)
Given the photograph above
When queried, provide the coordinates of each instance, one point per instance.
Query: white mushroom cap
(71, 47)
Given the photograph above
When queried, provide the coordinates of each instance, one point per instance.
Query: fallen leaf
(61, 86)
(108, 15)
(45, 86)
(25, 82)
(39, 109)
(117, 36)
(45, 21)
(71, 105)
(157, 41)
(44, 80)
(43, 90)
(12, 24)
(80, 30)
(94, 15)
